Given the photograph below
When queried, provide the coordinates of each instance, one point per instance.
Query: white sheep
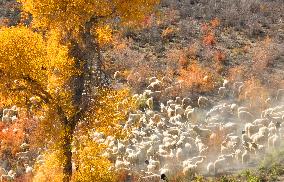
(219, 164)
(186, 102)
(245, 157)
(203, 133)
(151, 178)
(29, 169)
(210, 168)
(179, 110)
(222, 91)
(203, 102)
(155, 86)
(280, 95)
(150, 103)
(190, 169)
(245, 116)
(261, 121)
(274, 141)
(251, 129)
(259, 138)
(121, 163)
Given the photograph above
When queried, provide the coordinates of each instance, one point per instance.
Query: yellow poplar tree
(57, 59)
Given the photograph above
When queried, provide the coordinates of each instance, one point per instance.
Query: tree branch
(48, 99)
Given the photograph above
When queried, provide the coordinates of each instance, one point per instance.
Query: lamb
(29, 169)
(171, 112)
(155, 86)
(192, 115)
(203, 102)
(210, 168)
(273, 141)
(219, 164)
(189, 170)
(251, 129)
(259, 138)
(262, 121)
(203, 133)
(222, 91)
(245, 157)
(151, 178)
(264, 130)
(150, 103)
(121, 163)
(178, 101)
(179, 110)
(154, 162)
(245, 116)
(230, 128)
(225, 83)
(280, 95)
(186, 102)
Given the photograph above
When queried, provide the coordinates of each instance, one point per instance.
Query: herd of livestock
(183, 136)
(180, 136)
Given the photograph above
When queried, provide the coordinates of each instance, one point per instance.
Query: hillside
(193, 91)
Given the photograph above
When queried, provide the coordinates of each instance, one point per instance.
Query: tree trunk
(67, 153)
(88, 60)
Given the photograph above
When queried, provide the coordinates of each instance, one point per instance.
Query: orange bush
(254, 95)
(219, 56)
(209, 39)
(197, 77)
(262, 55)
(11, 136)
(215, 23)
(237, 73)
(208, 29)
(204, 27)
(169, 32)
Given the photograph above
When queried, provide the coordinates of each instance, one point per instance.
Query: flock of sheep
(179, 138)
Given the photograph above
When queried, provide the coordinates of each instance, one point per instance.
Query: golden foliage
(103, 34)
(91, 165)
(71, 15)
(31, 65)
(110, 110)
(50, 169)
(38, 66)
(88, 165)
